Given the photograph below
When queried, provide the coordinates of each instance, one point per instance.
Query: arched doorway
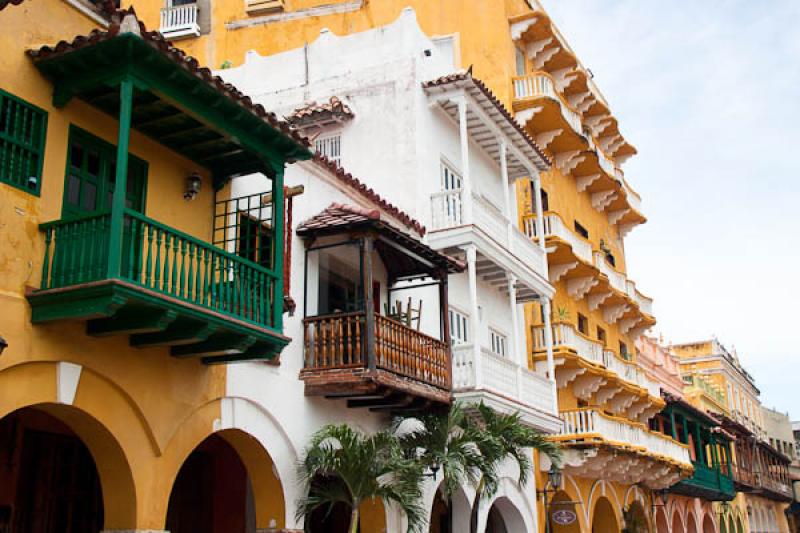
(636, 519)
(563, 505)
(603, 518)
(662, 526)
(227, 484)
(677, 523)
(336, 518)
(691, 523)
(504, 517)
(708, 524)
(450, 516)
(49, 478)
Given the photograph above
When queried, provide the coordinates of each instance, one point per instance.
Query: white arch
(250, 417)
(605, 490)
(511, 496)
(461, 506)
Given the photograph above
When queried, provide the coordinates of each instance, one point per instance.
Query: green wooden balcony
(160, 286)
(711, 484)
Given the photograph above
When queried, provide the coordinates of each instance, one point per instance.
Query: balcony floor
(116, 307)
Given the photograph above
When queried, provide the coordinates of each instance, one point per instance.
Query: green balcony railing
(160, 259)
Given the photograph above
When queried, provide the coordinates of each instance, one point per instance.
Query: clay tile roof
(466, 76)
(333, 109)
(354, 183)
(178, 56)
(338, 216)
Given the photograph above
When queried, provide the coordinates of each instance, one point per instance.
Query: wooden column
(367, 245)
(672, 424)
(466, 179)
(120, 180)
(474, 320)
(444, 309)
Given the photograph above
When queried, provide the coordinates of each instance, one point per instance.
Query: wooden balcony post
(474, 321)
(672, 424)
(466, 200)
(444, 311)
(278, 237)
(120, 179)
(369, 306)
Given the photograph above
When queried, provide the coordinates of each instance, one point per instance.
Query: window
(451, 181)
(580, 230)
(623, 350)
(255, 241)
(330, 147)
(499, 342)
(583, 324)
(610, 259)
(520, 61)
(601, 335)
(459, 327)
(22, 133)
(545, 199)
(447, 210)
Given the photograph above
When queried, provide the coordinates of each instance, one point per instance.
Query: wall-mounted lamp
(3, 345)
(193, 183)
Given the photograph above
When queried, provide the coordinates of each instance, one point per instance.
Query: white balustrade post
(520, 353)
(548, 341)
(466, 181)
(472, 273)
(506, 192)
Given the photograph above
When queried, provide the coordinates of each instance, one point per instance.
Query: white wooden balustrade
(555, 227)
(617, 279)
(179, 21)
(565, 335)
(634, 200)
(590, 423)
(502, 376)
(542, 85)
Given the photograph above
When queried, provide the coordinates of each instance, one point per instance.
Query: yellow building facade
(605, 397)
(717, 382)
(103, 383)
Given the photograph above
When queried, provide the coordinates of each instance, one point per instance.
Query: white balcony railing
(565, 335)
(585, 423)
(179, 21)
(502, 376)
(555, 227)
(542, 85)
(617, 279)
(448, 211)
(634, 200)
(631, 372)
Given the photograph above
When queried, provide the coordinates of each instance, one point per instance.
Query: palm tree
(506, 438)
(360, 467)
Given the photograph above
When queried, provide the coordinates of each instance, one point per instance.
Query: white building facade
(409, 281)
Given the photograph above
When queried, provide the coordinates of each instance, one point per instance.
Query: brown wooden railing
(335, 341)
(408, 352)
(339, 341)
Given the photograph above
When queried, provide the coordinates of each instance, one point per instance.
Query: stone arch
(708, 523)
(677, 522)
(604, 517)
(512, 496)
(99, 412)
(602, 488)
(261, 442)
(662, 526)
(504, 517)
(447, 517)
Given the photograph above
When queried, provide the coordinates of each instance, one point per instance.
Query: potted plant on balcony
(357, 467)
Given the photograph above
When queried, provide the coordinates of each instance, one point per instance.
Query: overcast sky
(709, 93)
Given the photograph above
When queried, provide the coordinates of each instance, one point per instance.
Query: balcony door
(89, 189)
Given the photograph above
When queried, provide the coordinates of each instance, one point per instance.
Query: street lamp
(554, 476)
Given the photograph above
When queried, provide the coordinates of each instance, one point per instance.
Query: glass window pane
(89, 196)
(76, 155)
(73, 190)
(93, 163)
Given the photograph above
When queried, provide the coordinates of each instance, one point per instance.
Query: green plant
(357, 467)
(226, 64)
(562, 314)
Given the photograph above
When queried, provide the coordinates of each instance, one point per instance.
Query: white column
(506, 192)
(466, 181)
(474, 319)
(512, 297)
(548, 341)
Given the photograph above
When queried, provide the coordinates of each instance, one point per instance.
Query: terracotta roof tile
(178, 56)
(467, 76)
(354, 183)
(314, 112)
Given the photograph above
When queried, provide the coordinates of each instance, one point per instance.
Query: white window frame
(459, 326)
(330, 146)
(498, 342)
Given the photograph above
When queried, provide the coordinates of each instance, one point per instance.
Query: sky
(709, 94)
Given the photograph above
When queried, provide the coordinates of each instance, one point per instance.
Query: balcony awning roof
(176, 102)
(402, 254)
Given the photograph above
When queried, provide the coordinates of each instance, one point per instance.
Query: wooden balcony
(374, 362)
(165, 288)
(712, 484)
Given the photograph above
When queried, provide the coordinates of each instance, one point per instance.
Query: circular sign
(564, 517)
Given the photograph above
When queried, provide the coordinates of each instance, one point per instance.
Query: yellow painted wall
(140, 411)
